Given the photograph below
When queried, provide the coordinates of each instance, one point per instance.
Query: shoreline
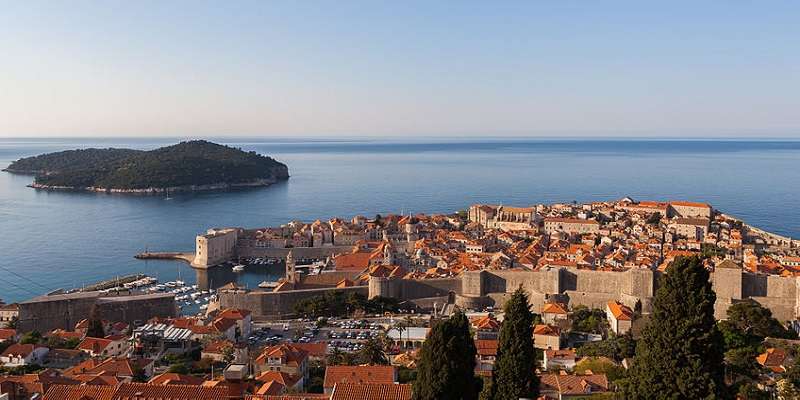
(161, 190)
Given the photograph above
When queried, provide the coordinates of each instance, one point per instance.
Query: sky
(400, 68)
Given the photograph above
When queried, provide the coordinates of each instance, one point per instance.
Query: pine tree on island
(513, 376)
(679, 355)
(446, 369)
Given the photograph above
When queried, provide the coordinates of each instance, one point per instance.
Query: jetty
(112, 283)
(164, 255)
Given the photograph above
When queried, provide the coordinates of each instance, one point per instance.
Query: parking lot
(345, 335)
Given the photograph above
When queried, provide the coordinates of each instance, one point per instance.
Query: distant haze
(400, 69)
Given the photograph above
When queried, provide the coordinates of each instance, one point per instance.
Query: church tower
(291, 274)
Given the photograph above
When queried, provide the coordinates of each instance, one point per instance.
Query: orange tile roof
(234, 314)
(357, 261)
(6, 334)
(289, 396)
(574, 384)
(169, 378)
(292, 354)
(72, 392)
(335, 374)
(546, 330)
(486, 347)
(554, 308)
(486, 323)
(773, 359)
(620, 311)
(93, 344)
(689, 204)
(135, 391)
(317, 349)
(371, 391)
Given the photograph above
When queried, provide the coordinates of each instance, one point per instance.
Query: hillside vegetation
(193, 163)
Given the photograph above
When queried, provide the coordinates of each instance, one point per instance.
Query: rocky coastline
(160, 190)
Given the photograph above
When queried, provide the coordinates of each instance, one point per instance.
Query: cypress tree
(446, 369)
(513, 375)
(680, 354)
(95, 328)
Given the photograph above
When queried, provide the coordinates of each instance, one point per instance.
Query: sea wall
(63, 311)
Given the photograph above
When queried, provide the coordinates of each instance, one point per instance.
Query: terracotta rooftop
(371, 391)
(358, 374)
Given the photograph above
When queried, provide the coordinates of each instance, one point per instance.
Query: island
(188, 166)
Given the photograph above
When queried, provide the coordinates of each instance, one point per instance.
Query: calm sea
(52, 240)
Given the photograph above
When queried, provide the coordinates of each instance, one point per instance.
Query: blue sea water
(52, 240)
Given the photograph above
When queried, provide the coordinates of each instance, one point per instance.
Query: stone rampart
(635, 288)
(299, 253)
(275, 305)
(63, 311)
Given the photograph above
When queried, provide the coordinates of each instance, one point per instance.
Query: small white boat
(238, 268)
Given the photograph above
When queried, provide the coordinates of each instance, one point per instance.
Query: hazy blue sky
(699, 68)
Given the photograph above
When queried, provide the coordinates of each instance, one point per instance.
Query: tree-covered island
(196, 165)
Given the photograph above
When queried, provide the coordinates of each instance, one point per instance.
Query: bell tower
(291, 273)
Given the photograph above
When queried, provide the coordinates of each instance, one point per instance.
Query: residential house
(275, 383)
(18, 355)
(564, 386)
(554, 313)
(546, 337)
(283, 358)
(559, 359)
(110, 346)
(242, 318)
(7, 334)
(620, 317)
(486, 354)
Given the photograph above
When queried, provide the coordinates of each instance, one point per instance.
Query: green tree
(139, 375)
(446, 369)
(597, 365)
(513, 375)
(95, 328)
(32, 337)
(589, 320)
(616, 347)
(753, 319)
(373, 352)
(679, 355)
(179, 368)
(338, 357)
(742, 362)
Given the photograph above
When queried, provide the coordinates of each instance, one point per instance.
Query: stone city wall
(635, 288)
(317, 253)
(276, 305)
(64, 311)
